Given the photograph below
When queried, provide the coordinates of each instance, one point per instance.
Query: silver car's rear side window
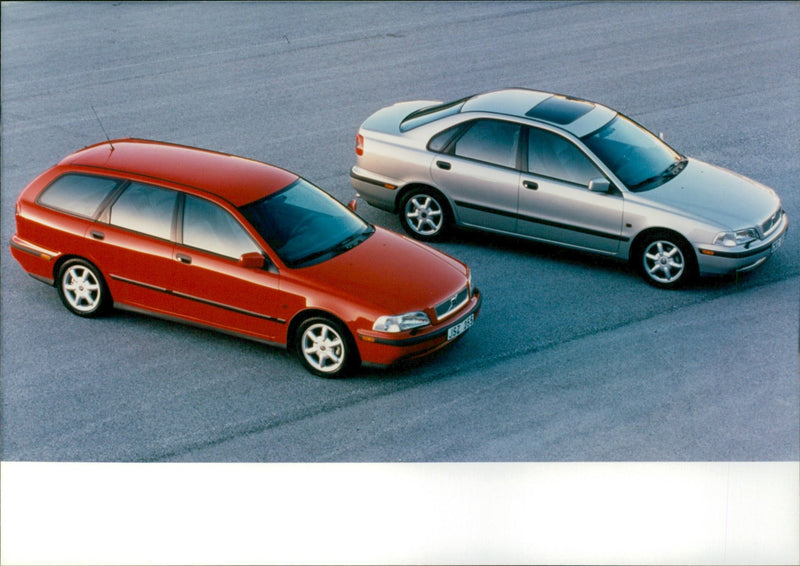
(490, 141)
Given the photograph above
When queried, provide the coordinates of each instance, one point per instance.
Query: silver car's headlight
(737, 238)
(401, 322)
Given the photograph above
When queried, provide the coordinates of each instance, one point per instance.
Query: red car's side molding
(197, 299)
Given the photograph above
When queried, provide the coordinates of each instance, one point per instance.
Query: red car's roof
(236, 179)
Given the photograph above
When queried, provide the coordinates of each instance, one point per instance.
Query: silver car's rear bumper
(717, 260)
(380, 192)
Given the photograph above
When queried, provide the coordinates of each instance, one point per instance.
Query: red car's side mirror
(252, 260)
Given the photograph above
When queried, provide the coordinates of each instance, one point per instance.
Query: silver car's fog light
(737, 238)
(399, 323)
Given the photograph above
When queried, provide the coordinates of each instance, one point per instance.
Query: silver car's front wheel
(424, 215)
(665, 262)
(323, 347)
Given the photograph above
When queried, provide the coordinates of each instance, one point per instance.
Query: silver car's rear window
(430, 114)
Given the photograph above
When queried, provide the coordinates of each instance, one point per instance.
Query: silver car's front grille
(452, 304)
(770, 223)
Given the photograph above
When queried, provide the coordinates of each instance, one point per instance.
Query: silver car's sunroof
(560, 110)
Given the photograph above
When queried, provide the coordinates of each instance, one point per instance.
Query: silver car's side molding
(527, 218)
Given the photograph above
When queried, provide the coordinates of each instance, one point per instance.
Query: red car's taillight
(359, 144)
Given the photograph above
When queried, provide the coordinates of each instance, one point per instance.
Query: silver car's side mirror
(600, 185)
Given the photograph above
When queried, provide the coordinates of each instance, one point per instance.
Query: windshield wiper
(347, 244)
(675, 168)
(354, 240)
(667, 174)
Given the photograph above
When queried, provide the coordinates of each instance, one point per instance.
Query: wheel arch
(69, 257)
(401, 196)
(106, 298)
(663, 273)
(653, 231)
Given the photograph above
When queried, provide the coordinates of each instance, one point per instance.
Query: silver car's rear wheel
(424, 214)
(323, 347)
(665, 261)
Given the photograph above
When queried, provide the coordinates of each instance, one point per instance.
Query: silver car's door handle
(443, 165)
(532, 185)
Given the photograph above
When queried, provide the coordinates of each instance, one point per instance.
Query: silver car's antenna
(102, 128)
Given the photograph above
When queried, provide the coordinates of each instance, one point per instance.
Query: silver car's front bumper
(719, 260)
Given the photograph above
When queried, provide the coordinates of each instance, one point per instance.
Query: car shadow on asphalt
(460, 240)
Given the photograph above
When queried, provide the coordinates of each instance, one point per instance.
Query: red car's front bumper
(380, 348)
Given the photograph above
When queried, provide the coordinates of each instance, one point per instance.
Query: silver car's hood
(716, 195)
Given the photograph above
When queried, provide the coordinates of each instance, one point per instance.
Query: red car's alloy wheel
(323, 347)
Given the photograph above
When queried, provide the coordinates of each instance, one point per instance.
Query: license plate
(776, 244)
(460, 328)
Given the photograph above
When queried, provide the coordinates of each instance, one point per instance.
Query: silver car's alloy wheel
(424, 215)
(81, 288)
(323, 348)
(664, 262)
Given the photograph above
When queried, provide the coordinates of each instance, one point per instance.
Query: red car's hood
(392, 273)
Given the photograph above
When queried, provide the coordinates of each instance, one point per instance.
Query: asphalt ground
(573, 358)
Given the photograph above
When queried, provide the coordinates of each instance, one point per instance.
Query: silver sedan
(565, 171)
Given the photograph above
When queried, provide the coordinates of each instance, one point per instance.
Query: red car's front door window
(209, 227)
(210, 284)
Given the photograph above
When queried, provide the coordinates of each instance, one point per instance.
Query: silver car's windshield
(637, 157)
(305, 225)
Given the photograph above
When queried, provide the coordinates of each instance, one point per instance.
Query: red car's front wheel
(324, 347)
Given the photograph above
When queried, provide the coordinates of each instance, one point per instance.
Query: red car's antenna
(102, 128)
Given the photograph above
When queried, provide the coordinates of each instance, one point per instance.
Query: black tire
(325, 348)
(82, 289)
(424, 214)
(665, 260)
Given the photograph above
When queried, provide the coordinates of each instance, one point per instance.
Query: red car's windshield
(305, 225)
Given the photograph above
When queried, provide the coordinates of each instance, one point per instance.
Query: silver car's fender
(642, 217)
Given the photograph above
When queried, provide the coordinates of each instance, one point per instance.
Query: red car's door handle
(183, 258)
(97, 235)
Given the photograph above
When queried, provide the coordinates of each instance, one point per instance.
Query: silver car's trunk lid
(387, 120)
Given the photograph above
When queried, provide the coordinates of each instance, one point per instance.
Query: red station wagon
(238, 246)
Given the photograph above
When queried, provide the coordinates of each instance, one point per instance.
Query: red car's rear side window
(81, 195)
